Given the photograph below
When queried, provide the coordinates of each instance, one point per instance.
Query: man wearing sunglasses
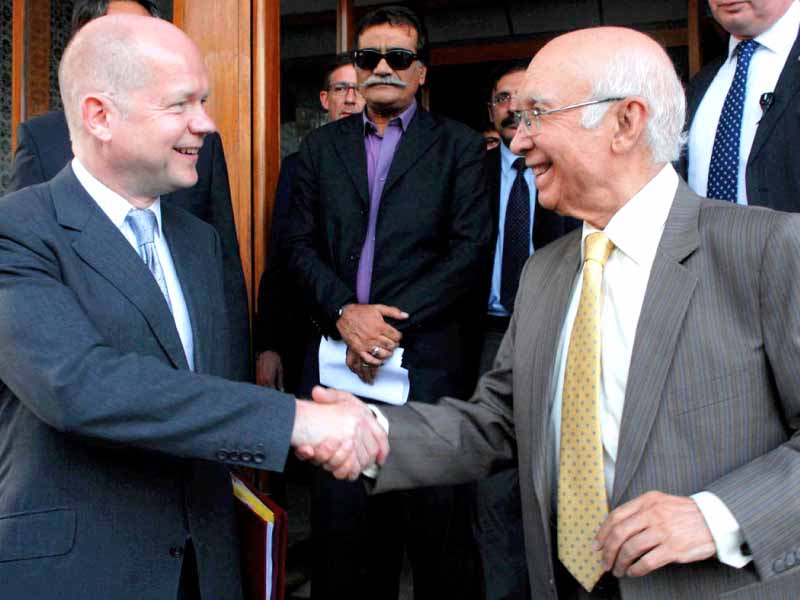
(389, 238)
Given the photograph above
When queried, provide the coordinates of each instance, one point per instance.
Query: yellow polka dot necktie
(582, 501)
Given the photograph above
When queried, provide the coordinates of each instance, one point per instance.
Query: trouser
(497, 519)
(359, 542)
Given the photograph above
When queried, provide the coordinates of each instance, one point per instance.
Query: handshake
(338, 432)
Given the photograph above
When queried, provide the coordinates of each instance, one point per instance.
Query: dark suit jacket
(712, 400)
(111, 451)
(432, 238)
(43, 150)
(773, 167)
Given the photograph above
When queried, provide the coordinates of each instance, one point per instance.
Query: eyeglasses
(399, 59)
(500, 99)
(340, 88)
(531, 117)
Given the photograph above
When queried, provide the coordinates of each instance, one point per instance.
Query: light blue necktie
(143, 223)
(723, 172)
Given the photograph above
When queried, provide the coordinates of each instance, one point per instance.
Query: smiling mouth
(541, 168)
(188, 151)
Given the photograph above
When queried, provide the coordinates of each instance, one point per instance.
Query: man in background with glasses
(647, 386)
(282, 327)
(520, 225)
(389, 239)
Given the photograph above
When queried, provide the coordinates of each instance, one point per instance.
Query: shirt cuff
(725, 530)
(374, 470)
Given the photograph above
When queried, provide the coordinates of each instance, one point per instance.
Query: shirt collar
(780, 37)
(404, 118)
(507, 158)
(636, 228)
(111, 203)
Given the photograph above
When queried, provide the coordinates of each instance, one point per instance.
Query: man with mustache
(520, 225)
(391, 254)
(743, 121)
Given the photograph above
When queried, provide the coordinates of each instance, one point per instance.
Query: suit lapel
(193, 273)
(669, 291)
(349, 145)
(544, 348)
(420, 135)
(101, 245)
(786, 90)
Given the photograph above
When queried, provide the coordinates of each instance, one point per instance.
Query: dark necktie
(516, 236)
(143, 223)
(723, 172)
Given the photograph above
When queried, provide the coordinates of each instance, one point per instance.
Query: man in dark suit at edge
(520, 225)
(282, 327)
(390, 238)
(116, 422)
(43, 149)
(742, 109)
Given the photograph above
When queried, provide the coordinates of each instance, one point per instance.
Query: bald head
(134, 90)
(115, 55)
(616, 62)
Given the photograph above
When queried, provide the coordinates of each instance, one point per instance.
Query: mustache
(384, 80)
(509, 121)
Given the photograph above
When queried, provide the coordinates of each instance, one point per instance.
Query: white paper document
(390, 385)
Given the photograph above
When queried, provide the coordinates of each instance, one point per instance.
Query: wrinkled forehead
(552, 80)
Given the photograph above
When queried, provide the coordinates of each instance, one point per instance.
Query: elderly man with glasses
(389, 240)
(647, 386)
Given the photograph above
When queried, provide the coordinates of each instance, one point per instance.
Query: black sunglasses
(398, 59)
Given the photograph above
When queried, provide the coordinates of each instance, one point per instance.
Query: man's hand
(339, 432)
(365, 371)
(269, 370)
(651, 531)
(363, 329)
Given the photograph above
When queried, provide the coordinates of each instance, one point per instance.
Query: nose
(201, 123)
(522, 142)
(382, 68)
(350, 96)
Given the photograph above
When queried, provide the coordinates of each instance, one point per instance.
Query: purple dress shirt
(380, 153)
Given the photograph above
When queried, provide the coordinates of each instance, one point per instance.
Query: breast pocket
(718, 389)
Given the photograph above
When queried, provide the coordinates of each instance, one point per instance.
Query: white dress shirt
(117, 208)
(636, 232)
(508, 175)
(762, 77)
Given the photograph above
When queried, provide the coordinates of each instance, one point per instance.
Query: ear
(323, 99)
(632, 114)
(423, 71)
(98, 113)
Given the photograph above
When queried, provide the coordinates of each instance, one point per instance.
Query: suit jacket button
(233, 455)
(779, 566)
(176, 552)
(258, 458)
(246, 456)
(790, 560)
(222, 455)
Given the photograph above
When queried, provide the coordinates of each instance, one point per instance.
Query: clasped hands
(370, 339)
(338, 432)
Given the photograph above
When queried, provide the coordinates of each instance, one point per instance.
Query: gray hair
(652, 77)
(104, 63)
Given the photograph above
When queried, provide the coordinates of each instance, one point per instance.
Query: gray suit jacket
(712, 401)
(111, 451)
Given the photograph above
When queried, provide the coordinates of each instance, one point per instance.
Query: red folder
(262, 527)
